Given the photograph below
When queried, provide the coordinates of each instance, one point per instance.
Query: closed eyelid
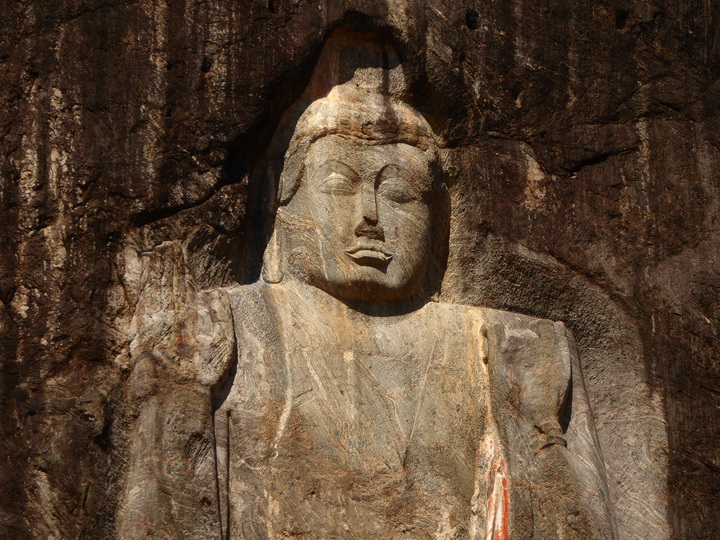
(338, 184)
(398, 190)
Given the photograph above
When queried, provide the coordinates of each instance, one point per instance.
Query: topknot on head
(357, 113)
(371, 116)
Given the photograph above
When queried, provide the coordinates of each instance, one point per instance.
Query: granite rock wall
(581, 146)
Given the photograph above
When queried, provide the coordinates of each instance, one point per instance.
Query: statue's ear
(440, 242)
(272, 271)
(292, 172)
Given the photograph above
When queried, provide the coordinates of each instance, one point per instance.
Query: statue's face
(360, 221)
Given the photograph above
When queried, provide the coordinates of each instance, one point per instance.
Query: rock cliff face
(581, 143)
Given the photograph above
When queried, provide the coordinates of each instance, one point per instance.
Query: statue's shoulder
(252, 306)
(507, 322)
(239, 293)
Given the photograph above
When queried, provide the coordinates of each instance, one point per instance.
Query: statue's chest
(360, 408)
(365, 396)
(361, 418)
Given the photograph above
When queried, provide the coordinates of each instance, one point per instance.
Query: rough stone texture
(582, 144)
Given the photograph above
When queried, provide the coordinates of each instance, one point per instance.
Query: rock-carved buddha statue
(338, 396)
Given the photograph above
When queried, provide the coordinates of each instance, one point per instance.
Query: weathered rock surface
(582, 147)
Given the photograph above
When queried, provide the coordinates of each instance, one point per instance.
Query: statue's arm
(182, 348)
(539, 411)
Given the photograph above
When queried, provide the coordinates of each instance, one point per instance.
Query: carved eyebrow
(403, 173)
(389, 167)
(333, 165)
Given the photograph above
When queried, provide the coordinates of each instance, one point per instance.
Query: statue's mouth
(370, 253)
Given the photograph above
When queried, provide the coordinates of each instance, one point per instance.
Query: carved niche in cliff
(338, 396)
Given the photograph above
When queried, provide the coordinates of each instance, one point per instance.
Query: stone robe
(339, 424)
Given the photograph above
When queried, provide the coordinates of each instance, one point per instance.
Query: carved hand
(182, 346)
(530, 373)
(185, 335)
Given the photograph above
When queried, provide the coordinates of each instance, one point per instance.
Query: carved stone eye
(337, 184)
(398, 191)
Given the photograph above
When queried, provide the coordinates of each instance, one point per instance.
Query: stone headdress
(354, 92)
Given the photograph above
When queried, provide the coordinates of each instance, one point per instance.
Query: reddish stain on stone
(499, 501)
(503, 533)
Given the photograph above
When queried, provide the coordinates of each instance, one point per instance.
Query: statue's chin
(364, 277)
(378, 289)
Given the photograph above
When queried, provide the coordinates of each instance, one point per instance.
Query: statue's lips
(370, 254)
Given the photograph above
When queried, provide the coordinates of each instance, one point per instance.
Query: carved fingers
(216, 325)
(165, 293)
(185, 334)
(529, 371)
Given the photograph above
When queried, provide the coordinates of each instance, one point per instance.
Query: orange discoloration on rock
(498, 502)
(503, 532)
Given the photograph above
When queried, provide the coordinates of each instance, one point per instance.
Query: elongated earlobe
(272, 260)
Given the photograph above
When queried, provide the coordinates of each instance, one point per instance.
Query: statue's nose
(369, 206)
(369, 226)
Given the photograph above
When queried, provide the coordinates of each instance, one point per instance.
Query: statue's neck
(324, 301)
